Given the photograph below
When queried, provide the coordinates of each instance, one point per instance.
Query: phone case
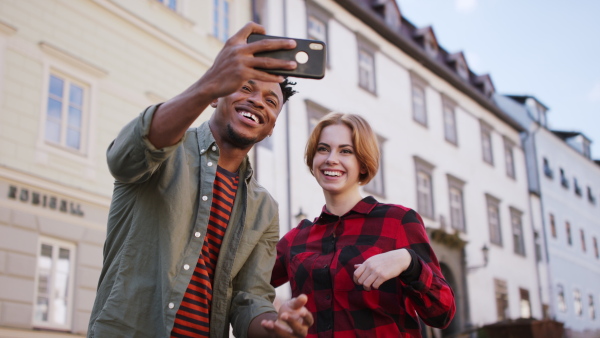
(310, 55)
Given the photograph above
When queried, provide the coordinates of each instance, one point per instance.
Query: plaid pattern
(193, 316)
(318, 260)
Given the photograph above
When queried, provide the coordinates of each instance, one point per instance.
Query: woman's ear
(363, 169)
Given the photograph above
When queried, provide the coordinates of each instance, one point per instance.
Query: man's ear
(214, 103)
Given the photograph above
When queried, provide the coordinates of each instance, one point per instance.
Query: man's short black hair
(287, 90)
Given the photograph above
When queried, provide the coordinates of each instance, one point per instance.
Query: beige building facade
(72, 74)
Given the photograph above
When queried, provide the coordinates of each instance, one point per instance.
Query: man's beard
(238, 140)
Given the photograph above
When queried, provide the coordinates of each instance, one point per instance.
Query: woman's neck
(340, 204)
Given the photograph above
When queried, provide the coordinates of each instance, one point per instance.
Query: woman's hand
(380, 268)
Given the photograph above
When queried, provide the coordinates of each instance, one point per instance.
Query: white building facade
(448, 150)
(565, 181)
(72, 74)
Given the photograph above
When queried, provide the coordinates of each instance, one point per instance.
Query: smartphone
(310, 55)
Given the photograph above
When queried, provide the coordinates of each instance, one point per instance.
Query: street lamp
(486, 252)
(300, 216)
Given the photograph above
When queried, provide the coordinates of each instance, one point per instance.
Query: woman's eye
(320, 149)
(346, 151)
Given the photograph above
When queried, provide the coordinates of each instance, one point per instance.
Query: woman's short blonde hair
(364, 140)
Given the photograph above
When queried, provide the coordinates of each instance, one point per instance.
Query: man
(191, 236)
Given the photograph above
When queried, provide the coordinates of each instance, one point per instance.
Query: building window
(547, 170)
(221, 15)
(172, 4)
(54, 284)
(562, 303)
(501, 291)
(377, 185)
(563, 179)
(582, 234)
(366, 69)
(424, 172)
(525, 303)
(552, 226)
(314, 113)
(577, 187)
(418, 101)
(449, 110)
(568, 230)
(509, 158)
(493, 213)
(316, 25)
(517, 231)
(457, 212)
(486, 143)
(66, 113)
(596, 251)
(591, 197)
(577, 306)
(591, 307)
(538, 246)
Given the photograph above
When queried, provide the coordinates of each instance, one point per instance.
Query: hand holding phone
(310, 56)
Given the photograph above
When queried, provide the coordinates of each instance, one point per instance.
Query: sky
(549, 49)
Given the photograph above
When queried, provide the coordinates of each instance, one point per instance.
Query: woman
(368, 268)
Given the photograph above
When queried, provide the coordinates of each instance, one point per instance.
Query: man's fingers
(298, 302)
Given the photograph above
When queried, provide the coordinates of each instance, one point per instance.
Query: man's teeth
(332, 173)
(250, 116)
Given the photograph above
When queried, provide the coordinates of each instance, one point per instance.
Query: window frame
(167, 4)
(525, 303)
(487, 148)
(58, 61)
(377, 185)
(561, 300)
(493, 202)
(457, 212)
(313, 10)
(365, 47)
(449, 117)
(516, 222)
(56, 243)
(221, 19)
(419, 85)
(569, 233)
(428, 210)
(501, 295)
(552, 220)
(509, 158)
(577, 303)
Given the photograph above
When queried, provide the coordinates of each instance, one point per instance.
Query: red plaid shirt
(318, 260)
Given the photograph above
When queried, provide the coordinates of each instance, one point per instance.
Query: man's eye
(246, 88)
(272, 102)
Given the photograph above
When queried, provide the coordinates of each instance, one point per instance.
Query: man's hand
(293, 319)
(235, 64)
(380, 268)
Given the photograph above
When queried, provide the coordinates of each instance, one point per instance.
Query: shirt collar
(363, 207)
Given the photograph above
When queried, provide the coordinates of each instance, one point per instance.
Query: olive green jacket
(156, 227)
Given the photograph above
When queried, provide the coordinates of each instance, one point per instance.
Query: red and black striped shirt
(193, 316)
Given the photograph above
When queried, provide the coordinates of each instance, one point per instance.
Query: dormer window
(484, 82)
(586, 148)
(427, 39)
(389, 11)
(458, 62)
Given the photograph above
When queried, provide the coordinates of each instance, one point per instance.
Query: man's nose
(256, 99)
